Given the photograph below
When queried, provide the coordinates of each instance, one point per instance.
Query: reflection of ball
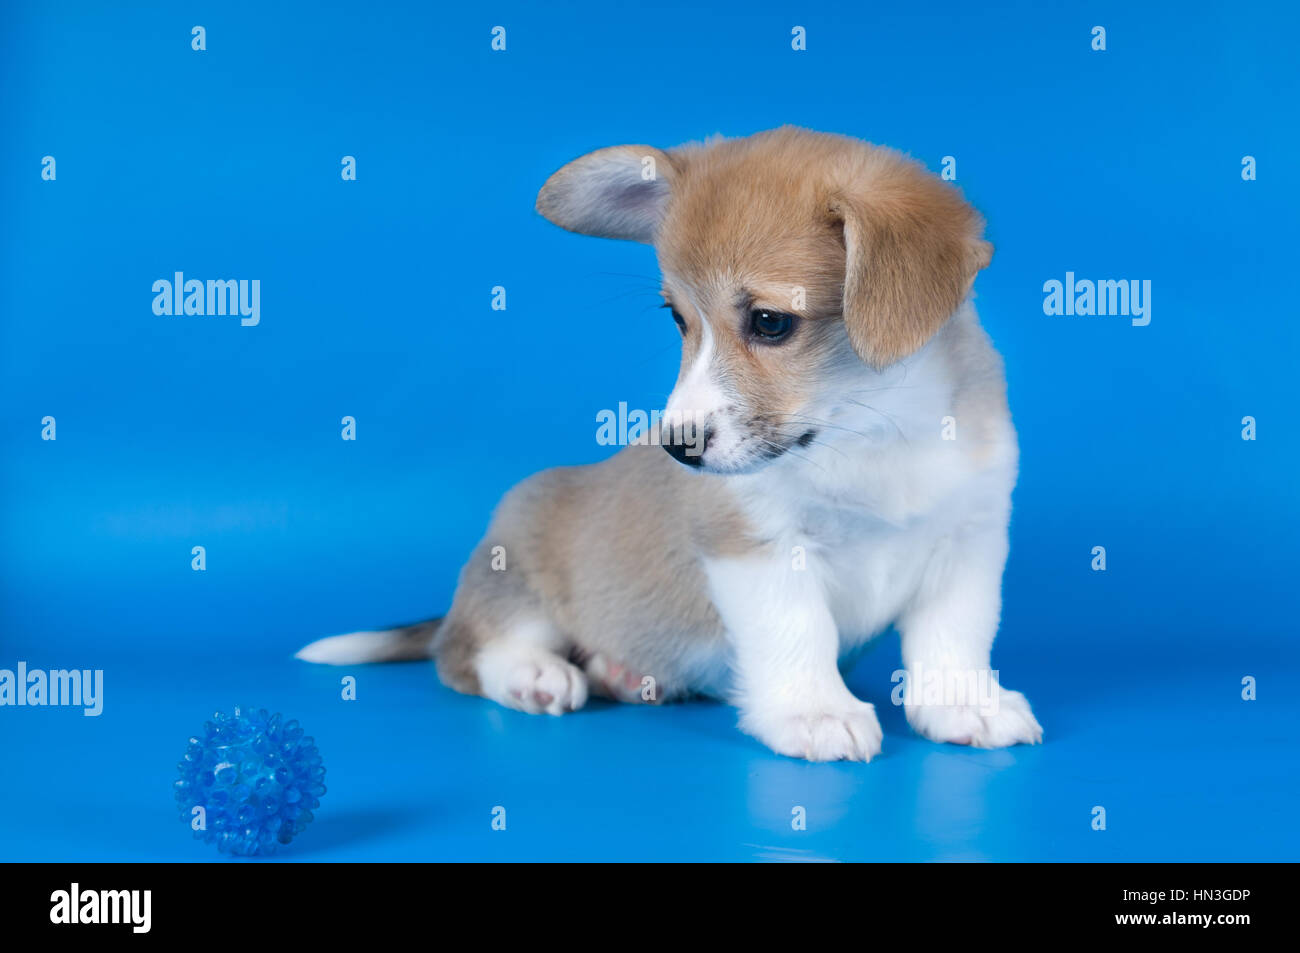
(257, 780)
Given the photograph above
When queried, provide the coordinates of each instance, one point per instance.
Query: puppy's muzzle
(686, 443)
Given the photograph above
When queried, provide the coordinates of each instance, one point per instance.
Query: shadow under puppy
(840, 457)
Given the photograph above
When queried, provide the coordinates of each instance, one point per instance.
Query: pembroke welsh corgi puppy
(839, 457)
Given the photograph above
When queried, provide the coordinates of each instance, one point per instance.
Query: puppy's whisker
(822, 443)
(786, 450)
(801, 418)
(877, 410)
(805, 439)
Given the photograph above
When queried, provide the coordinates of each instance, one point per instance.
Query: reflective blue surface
(1184, 770)
(174, 432)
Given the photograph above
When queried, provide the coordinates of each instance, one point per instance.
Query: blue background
(183, 431)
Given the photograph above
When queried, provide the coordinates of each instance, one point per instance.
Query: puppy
(840, 457)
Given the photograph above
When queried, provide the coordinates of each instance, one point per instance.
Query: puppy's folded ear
(913, 246)
(619, 192)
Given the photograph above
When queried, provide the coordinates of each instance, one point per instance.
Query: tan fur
(873, 237)
(590, 548)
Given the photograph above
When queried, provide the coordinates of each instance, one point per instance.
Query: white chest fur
(877, 503)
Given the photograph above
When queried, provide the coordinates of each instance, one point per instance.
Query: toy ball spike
(256, 778)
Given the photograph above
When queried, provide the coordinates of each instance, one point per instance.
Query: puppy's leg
(497, 641)
(789, 688)
(947, 633)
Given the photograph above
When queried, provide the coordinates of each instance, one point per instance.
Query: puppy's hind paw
(536, 683)
(620, 683)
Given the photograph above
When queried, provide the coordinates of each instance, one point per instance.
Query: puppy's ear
(913, 246)
(619, 192)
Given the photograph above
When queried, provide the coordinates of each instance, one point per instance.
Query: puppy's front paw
(848, 732)
(1008, 721)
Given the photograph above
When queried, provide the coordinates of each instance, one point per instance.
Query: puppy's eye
(771, 325)
(681, 322)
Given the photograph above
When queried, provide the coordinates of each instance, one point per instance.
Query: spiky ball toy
(256, 778)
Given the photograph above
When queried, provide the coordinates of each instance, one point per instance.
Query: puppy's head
(787, 256)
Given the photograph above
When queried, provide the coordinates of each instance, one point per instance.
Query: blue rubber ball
(256, 778)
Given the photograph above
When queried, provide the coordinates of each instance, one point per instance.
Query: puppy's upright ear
(913, 246)
(619, 192)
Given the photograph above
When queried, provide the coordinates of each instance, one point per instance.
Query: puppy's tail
(405, 643)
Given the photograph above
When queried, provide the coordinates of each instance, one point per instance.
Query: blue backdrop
(181, 431)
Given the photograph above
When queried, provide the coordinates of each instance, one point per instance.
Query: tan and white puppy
(840, 458)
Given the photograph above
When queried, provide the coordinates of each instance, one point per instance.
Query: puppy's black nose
(685, 444)
(682, 454)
